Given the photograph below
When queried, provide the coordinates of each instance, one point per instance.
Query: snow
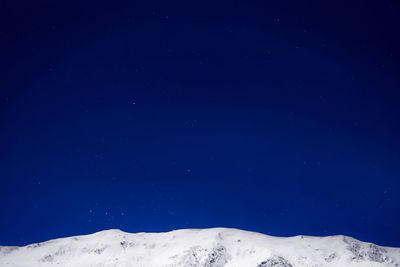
(215, 247)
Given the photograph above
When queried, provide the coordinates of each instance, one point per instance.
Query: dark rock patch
(275, 262)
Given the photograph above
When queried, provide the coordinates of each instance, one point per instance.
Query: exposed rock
(366, 252)
(47, 258)
(202, 257)
(275, 262)
(331, 257)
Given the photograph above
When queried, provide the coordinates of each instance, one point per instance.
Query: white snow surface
(215, 247)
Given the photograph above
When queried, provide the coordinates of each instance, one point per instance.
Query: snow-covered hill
(214, 247)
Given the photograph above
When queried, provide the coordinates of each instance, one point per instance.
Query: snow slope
(215, 247)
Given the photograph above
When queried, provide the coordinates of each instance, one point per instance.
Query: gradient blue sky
(281, 117)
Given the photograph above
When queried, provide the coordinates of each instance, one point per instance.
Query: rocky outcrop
(203, 257)
(364, 251)
(275, 262)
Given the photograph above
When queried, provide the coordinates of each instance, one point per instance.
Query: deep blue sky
(281, 117)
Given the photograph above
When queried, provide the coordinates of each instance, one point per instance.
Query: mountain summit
(215, 247)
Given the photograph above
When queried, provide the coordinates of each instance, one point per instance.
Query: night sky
(281, 117)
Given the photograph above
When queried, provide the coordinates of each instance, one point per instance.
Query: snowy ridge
(215, 247)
